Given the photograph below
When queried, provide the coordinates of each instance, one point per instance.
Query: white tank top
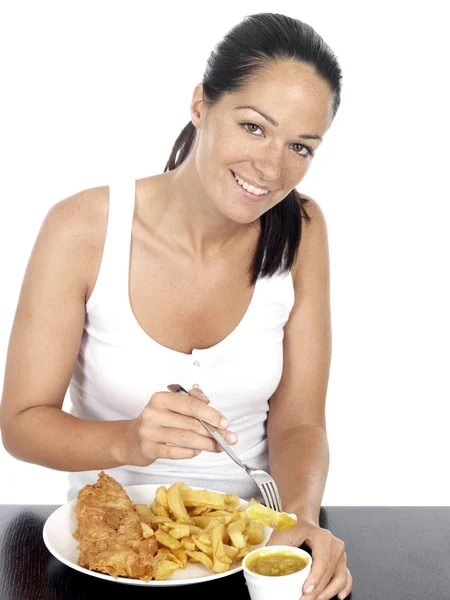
(119, 367)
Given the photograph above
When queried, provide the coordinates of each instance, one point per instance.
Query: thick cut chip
(220, 567)
(188, 544)
(206, 548)
(158, 509)
(161, 497)
(255, 533)
(231, 551)
(147, 531)
(198, 511)
(176, 504)
(180, 531)
(232, 503)
(165, 569)
(167, 540)
(235, 531)
(213, 516)
(243, 551)
(180, 553)
(202, 498)
(167, 554)
(266, 516)
(219, 554)
(194, 530)
(211, 524)
(144, 511)
(200, 557)
(157, 520)
(205, 537)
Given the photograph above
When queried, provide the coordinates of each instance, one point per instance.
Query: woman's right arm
(43, 348)
(45, 340)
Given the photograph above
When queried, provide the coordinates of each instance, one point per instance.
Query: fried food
(265, 515)
(180, 526)
(109, 532)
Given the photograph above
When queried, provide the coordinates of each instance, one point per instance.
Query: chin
(234, 208)
(241, 215)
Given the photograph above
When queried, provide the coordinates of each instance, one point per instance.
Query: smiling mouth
(246, 193)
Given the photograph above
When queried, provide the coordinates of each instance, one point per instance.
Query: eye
(247, 125)
(309, 150)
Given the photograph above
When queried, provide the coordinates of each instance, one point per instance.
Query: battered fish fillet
(109, 532)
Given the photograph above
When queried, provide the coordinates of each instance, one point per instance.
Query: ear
(198, 106)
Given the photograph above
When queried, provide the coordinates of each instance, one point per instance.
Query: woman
(195, 276)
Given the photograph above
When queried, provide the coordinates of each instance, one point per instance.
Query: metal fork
(262, 479)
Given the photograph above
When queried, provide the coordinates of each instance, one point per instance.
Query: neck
(189, 218)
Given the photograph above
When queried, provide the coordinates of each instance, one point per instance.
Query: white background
(93, 87)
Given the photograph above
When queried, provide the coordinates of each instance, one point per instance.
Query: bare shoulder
(313, 249)
(80, 215)
(317, 224)
(76, 226)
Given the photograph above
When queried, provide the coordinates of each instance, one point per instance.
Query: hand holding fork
(262, 479)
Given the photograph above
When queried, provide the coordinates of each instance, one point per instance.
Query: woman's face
(274, 151)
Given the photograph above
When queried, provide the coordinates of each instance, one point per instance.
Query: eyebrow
(305, 136)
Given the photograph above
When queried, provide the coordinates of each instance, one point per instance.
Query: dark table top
(394, 553)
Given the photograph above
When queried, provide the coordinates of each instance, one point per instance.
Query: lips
(248, 195)
(256, 185)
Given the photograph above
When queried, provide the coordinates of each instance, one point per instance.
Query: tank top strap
(111, 286)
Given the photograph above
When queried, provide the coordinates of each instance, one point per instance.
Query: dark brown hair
(256, 41)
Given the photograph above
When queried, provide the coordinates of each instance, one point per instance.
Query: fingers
(157, 416)
(191, 406)
(167, 418)
(340, 584)
(228, 435)
(183, 438)
(327, 554)
(200, 394)
(173, 418)
(348, 586)
(173, 452)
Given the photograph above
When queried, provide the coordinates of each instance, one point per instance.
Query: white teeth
(250, 188)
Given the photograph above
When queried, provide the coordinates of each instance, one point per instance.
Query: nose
(269, 164)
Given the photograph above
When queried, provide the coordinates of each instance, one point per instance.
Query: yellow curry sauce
(276, 564)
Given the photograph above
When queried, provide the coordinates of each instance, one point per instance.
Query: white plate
(62, 523)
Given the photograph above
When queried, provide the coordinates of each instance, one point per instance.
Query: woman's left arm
(298, 445)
